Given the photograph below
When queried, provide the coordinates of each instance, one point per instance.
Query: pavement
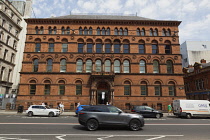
(65, 113)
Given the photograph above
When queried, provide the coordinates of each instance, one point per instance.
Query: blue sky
(194, 14)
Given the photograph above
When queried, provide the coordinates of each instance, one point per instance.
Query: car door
(43, 110)
(142, 110)
(149, 112)
(35, 110)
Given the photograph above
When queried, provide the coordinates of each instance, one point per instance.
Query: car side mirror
(119, 112)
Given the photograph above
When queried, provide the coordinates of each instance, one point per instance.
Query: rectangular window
(171, 90)
(126, 48)
(143, 90)
(32, 89)
(61, 89)
(80, 48)
(141, 49)
(154, 49)
(10, 28)
(37, 47)
(167, 49)
(2, 74)
(157, 90)
(89, 48)
(5, 54)
(47, 89)
(117, 48)
(78, 89)
(12, 58)
(107, 48)
(98, 48)
(51, 47)
(127, 89)
(9, 74)
(64, 47)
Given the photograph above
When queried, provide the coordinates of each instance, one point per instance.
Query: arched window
(80, 31)
(37, 45)
(79, 65)
(141, 47)
(151, 32)
(107, 66)
(98, 46)
(49, 65)
(143, 32)
(67, 30)
(121, 31)
(143, 88)
(89, 47)
(88, 66)
(116, 66)
(80, 46)
(51, 46)
(127, 88)
(168, 32)
(64, 45)
(35, 65)
(90, 31)
(138, 32)
(156, 32)
(85, 31)
(98, 31)
(142, 66)
(108, 46)
(61, 87)
(50, 30)
(116, 46)
(155, 66)
(126, 47)
(47, 87)
(108, 31)
(63, 65)
(167, 47)
(98, 65)
(126, 66)
(32, 87)
(36, 29)
(154, 47)
(54, 30)
(171, 89)
(163, 32)
(78, 87)
(169, 65)
(63, 30)
(103, 31)
(115, 31)
(125, 31)
(41, 30)
(157, 88)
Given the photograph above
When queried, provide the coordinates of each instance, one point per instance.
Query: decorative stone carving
(84, 37)
(94, 37)
(176, 57)
(121, 56)
(162, 57)
(134, 56)
(71, 56)
(44, 37)
(133, 38)
(121, 37)
(84, 56)
(112, 37)
(72, 37)
(30, 37)
(174, 39)
(147, 39)
(161, 39)
(56, 56)
(42, 56)
(28, 56)
(58, 37)
(148, 57)
(93, 55)
(103, 37)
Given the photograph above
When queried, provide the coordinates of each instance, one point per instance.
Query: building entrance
(103, 93)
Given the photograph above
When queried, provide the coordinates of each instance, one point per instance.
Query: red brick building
(196, 80)
(95, 59)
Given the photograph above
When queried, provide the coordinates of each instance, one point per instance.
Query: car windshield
(47, 107)
(114, 109)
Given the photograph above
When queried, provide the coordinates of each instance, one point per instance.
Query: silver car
(100, 115)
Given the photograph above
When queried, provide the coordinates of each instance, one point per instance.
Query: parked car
(147, 111)
(94, 116)
(42, 110)
(79, 108)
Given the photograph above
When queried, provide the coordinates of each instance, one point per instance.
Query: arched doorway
(103, 93)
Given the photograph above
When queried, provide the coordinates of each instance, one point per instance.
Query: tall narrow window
(98, 65)
(143, 88)
(121, 31)
(5, 54)
(37, 47)
(55, 30)
(12, 58)
(168, 32)
(98, 48)
(67, 30)
(49, 30)
(155, 66)
(51, 47)
(157, 88)
(8, 38)
(41, 30)
(63, 65)
(35, 65)
(80, 31)
(117, 47)
(89, 66)
(156, 32)
(8, 76)
(125, 31)
(79, 65)
(49, 65)
(142, 66)
(126, 48)
(103, 31)
(90, 31)
(78, 87)
(61, 87)
(115, 31)
(143, 32)
(80, 47)
(169, 65)
(63, 30)
(163, 32)
(127, 88)
(64, 47)
(171, 89)
(151, 32)
(138, 32)
(107, 66)
(108, 31)
(2, 74)
(32, 87)
(37, 30)
(126, 66)
(85, 31)
(154, 49)
(167, 49)
(98, 31)
(107, 48)
(141, 49)
(89, 48)
(116, 66)
(47, 87)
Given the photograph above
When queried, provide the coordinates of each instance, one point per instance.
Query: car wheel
(51, 114)
(135, 125)
(30, 114)
(188, 116)
(157, 116)
(92, 125)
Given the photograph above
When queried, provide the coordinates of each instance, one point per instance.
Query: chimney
(203, 61)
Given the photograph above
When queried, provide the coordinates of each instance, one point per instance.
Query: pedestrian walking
(61, 106)
(169, 109)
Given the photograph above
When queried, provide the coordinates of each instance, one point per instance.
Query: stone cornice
(102, 22)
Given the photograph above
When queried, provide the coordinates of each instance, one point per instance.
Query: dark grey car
(100, 115)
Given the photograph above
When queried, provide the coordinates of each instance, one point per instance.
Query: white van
(191, 108)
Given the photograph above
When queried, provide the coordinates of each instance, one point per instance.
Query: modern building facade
(196, 80)
(95, 59)
(194, 51)
(12, 43)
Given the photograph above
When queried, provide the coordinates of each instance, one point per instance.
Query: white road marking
(59, 137)
(102, 138)
(5, 138)
(156, 138)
